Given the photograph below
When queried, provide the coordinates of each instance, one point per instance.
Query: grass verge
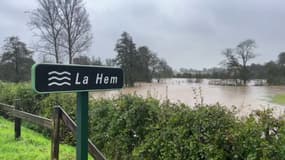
(31, 145)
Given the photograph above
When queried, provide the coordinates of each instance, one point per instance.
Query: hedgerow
(132, 127)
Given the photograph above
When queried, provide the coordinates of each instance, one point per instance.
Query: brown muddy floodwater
(245, 98)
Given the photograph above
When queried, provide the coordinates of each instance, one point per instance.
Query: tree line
(236, 66)
(139, 64)
(64, 33)
(272, 71)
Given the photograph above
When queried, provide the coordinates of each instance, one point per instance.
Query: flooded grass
(279, 99)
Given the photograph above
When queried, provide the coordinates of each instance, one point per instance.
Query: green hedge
(131, 127)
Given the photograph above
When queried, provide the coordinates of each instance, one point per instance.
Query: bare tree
(237, 60)
(46, 20)
(231, 63)
(245, 53)
(76, 27)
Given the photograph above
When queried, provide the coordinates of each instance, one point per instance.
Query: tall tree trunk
(69, 45)
(17, 65)
(56, 51)
(69, 50)
(70, 59)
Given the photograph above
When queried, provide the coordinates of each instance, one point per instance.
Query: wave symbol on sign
(59, 78)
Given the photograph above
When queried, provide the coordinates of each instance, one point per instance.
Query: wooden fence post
(55, 133)
(17, 121)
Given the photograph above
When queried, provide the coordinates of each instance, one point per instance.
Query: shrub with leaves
(132, 127)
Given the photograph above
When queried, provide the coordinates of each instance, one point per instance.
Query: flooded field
(245, 98)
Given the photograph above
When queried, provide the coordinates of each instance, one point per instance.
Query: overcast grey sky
(187, 33)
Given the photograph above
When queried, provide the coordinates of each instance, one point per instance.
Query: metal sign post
(82, 129)
(54, 78)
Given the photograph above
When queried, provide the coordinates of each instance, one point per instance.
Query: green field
(31, 146)
(279, 99)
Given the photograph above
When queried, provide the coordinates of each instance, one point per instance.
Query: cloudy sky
(187, 33)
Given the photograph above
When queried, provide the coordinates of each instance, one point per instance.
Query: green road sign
(49, 78)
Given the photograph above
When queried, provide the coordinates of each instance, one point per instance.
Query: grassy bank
(32, 145)
(279, 99)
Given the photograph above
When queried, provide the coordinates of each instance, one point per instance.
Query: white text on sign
(100, 79)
